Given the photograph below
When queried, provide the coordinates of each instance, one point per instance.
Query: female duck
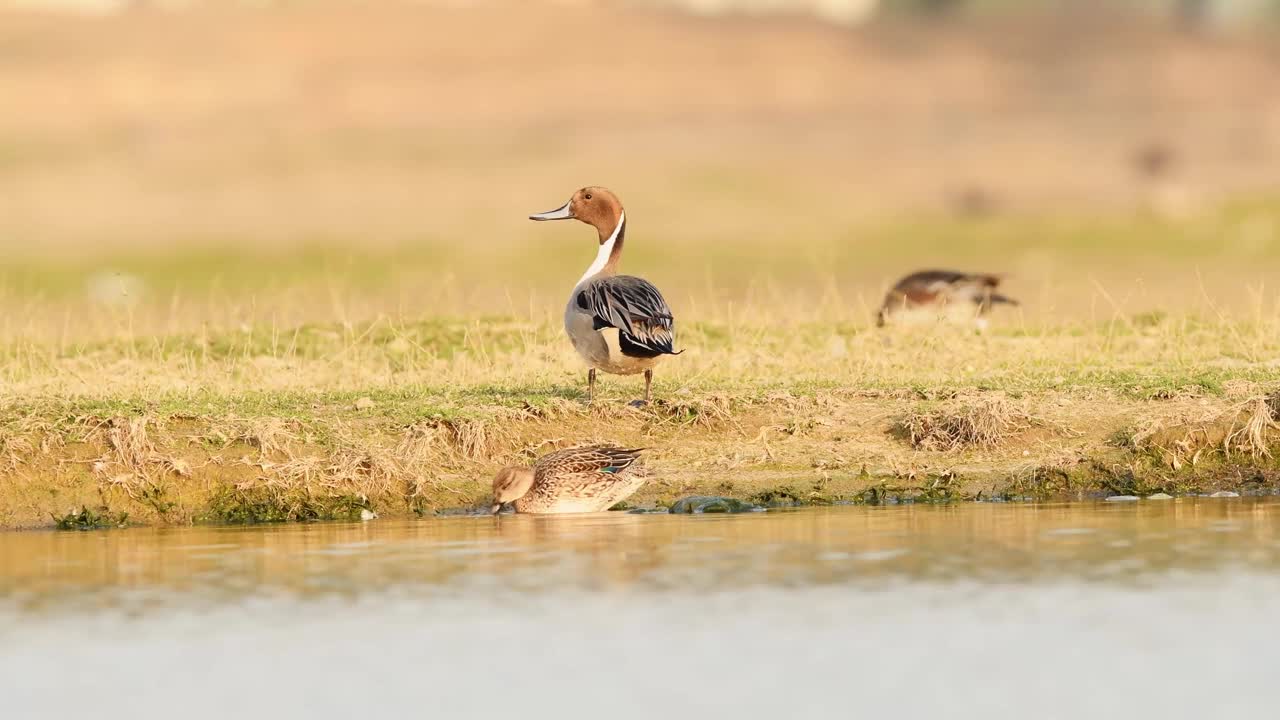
(618, 323)
(590, 478)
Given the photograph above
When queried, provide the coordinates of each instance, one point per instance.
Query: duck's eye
(587, 196)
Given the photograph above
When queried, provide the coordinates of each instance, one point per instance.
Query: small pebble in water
(1160, 496)
(1122, 498)
(1225, 494)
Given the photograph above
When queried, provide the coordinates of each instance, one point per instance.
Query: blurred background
(196, 162)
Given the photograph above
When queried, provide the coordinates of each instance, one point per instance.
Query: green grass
(91, 519)
(253, 506)
(416, 369)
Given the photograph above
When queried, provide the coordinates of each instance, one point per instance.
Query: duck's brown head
(595, 206)
(511, 483)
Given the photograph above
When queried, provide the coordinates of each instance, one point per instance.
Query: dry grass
(983, 423)
(1246, 429)
(1252, 435)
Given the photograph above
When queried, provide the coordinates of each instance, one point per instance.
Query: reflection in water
(841, 545)
(971, 611)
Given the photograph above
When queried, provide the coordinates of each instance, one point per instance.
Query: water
(1151, 609)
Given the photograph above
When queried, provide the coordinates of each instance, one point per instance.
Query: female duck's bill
(618, 323)
(511, 483)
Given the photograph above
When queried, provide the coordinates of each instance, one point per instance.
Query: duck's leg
(648, 383)
(591, 385)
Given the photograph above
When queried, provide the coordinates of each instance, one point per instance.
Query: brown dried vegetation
(984, 423)
(1250, 429)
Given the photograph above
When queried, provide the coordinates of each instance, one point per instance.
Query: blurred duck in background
(942, 294)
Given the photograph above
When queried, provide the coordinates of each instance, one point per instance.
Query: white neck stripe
(602, 257)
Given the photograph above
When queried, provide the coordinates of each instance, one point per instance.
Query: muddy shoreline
(864, 448)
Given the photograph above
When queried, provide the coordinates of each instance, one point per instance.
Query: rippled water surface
(1151, 609)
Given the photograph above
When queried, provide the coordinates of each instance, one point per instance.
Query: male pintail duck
(589, 478)
(937, 292)
(618, 323)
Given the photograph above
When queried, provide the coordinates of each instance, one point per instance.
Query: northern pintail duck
(588, 478)
(618, 323)
(941, 292)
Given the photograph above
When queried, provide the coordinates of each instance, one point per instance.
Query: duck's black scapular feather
(636, 308)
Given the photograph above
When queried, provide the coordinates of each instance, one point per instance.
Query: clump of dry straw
(985, 423)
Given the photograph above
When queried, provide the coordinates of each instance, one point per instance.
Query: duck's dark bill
(561, 213)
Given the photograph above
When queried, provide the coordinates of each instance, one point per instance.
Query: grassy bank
(411, 418)
(259, 386)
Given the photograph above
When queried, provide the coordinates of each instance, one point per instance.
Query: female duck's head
(510, 484)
